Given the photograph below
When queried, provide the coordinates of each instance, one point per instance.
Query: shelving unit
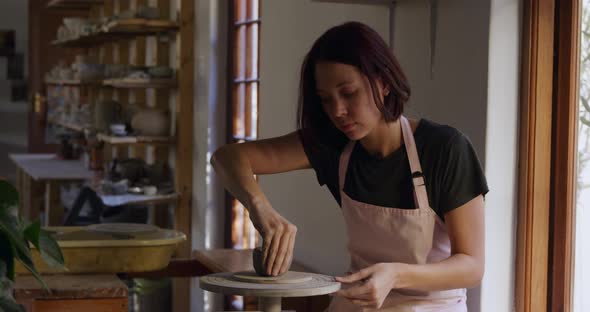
(168, 41)
(72, 82)
(156, 140)
(141, 83)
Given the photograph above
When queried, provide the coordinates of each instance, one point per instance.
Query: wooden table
(88, 293)
(38, 170)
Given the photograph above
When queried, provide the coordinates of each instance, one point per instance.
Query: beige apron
(383, 234)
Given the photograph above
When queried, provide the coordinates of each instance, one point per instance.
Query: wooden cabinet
(89, 293)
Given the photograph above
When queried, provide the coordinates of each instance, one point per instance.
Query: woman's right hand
(278, 238)
(236, 165)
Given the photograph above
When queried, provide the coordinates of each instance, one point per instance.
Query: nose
(338, 108)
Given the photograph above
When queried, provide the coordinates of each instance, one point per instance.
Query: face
(347, 99)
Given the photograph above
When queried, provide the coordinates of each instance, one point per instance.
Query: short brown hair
(356, 44)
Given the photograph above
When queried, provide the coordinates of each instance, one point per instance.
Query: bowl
(75, 24)
(118, 129)
(92, 252)
(150, 190)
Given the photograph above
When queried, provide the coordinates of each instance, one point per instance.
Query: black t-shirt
(451, 169)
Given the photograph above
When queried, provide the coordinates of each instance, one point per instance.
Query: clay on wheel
(258, 263)
(259, 267)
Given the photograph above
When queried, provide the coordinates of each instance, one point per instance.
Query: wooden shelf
(73, 4)
(140, 26)
(117, 83)
(72, 82)
(121, 29)
(152, 140)
(111, 139)
(140, 83)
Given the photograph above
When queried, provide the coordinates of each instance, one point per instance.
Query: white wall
(502, 155)
(457, 91)
(474, 88)
(288, 31)
(13, 115)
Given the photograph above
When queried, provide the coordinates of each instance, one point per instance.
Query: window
(582, 198)
(245, 81)
(243, 114)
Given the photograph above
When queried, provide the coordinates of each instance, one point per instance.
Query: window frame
(236, 214)
(548, 132)
(564, 148)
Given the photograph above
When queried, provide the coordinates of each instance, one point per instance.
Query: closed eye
(349, 94)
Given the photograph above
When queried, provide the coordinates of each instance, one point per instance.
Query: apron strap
(343, 164)
(420, 195)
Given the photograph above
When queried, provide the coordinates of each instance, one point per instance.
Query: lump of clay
(257, 261)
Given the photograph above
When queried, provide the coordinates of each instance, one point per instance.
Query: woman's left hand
(375, 284)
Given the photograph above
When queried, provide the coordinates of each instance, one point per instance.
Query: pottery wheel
(299, 284)
(290, 277)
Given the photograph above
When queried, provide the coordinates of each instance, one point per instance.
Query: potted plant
(16, 237)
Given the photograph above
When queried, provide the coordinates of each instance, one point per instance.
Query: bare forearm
(458, 271)
(235, 172)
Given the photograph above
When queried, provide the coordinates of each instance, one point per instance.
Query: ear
(386, 91)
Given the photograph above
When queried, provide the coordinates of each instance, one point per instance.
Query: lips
(347, 127)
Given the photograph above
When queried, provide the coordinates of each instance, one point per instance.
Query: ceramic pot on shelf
(151, 122)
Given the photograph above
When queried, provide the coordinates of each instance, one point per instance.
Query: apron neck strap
(343, 164)
(420, 195)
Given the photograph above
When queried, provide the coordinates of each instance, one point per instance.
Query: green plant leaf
(13, 239)
(31, 233)
(47, 246)
(17, 233)
(5, 282)
(5, 285)
(8, 305)
(8, 196)
(9, 225)
(50, 251)
(26, 261)
(6, 258)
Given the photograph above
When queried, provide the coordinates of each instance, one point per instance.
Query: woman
(411, 191)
